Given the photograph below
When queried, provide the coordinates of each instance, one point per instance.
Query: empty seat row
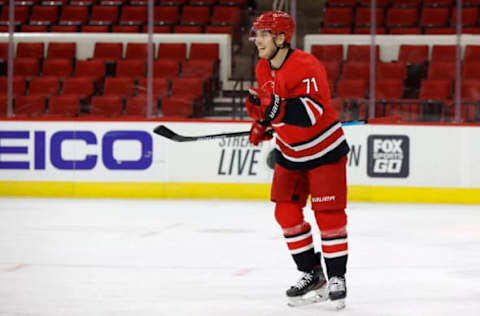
(82, 90)
(211, 29)
(391, 89)
(407, 53)
(101, 106)
(408, 110)
(395, 19)
(115, 51)
(241, 3)
(399, 3)
(134, 68)
(99, 15)
(435, 102)
(400, 30)
(400, 17)
(398, 70)
(88, 86)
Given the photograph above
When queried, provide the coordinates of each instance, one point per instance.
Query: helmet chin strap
(276, 50)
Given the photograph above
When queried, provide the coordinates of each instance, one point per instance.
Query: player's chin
(263, 53)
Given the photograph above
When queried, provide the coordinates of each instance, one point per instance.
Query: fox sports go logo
(388, 156)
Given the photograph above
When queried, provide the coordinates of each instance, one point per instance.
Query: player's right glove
(252, 103)
(259, 133)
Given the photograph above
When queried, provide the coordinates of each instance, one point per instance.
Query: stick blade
(164, 131)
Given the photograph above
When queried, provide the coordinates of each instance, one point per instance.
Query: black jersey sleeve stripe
(296, 113)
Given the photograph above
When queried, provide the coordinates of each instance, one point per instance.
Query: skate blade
(338, 304)
(312, 297)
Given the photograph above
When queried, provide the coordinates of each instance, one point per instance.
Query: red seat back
(28, 67)
(336, 17)
(195, 15)
(354, 88)
(104, 14)
(177, 51)
(119, 86)
(47, 85)
(392, 71)
(111, 105)
(204, 51)
(109, 51)
(90, 68)
(161, 87)
(67, 105)
(62, 50)
(166, 68)
(133, 68)
(136, 51)
(328, 53)
(413, 54)
(177, 106)
(59, 67)
(82, 86)
(74, 15)
(30, 50)
(32, 105)
(435, 89)
(443, 53)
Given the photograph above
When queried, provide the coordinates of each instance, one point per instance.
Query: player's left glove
(265, 106)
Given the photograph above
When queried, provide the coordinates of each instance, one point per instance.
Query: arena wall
(389, 163)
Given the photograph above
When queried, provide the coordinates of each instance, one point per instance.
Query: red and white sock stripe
(301, 241)
(335, 243)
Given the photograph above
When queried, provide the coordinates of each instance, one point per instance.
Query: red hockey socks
(333, 229)
(297, 233)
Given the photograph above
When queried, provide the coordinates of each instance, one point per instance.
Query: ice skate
(310, 288)
(337, 291)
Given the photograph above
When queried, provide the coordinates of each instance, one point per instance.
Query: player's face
(265, 45)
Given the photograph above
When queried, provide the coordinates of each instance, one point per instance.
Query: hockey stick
(164, 131)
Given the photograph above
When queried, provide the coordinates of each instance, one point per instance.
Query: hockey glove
(252, 103)
(259, 133)
(266, 106)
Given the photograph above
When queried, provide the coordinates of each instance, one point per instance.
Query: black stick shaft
(164, 131)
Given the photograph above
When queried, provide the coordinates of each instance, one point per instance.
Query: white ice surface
(224, 258)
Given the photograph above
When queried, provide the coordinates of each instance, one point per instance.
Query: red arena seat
(65, 105)
(109, 106)
(62, 50)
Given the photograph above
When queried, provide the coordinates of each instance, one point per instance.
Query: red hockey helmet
(276, 22)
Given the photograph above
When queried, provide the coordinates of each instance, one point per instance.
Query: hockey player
(293, 98)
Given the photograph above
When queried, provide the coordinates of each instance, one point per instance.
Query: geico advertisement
(90, 151)
(127, 151)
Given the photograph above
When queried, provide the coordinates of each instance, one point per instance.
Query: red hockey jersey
(310, 133)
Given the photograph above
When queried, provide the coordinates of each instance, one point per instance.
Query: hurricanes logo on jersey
(269, 86)
(388, 156)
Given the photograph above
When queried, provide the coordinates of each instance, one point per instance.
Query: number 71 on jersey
(314, 83)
